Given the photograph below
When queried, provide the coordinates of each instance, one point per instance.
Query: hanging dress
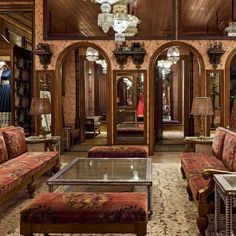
(5, 97)
(140, 108)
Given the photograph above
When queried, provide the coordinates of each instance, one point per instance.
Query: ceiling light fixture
(132, 26)
(105, 18)
(173, 54)
(122, 23)
(92, 54)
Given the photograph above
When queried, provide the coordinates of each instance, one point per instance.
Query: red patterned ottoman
(86, 213)
(113, 151)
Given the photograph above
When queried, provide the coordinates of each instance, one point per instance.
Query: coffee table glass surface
(90, 171)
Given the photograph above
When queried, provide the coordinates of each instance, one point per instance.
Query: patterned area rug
(173, 214)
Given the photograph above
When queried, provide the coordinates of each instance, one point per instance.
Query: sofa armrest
(208, 173)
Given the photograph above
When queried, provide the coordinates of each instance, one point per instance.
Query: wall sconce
(44, 52)
(215, 51)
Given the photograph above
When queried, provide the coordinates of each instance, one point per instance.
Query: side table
(52, 143)
(195, 144)
(225, 189)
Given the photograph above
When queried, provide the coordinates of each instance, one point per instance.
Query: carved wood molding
(214, 53)
(45, 54)
(122, 57)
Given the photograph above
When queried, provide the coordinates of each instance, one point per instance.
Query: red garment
(140, 107)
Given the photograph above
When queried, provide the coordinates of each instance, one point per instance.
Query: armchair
(92, 124)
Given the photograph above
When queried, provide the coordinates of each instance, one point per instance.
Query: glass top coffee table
(98, 172)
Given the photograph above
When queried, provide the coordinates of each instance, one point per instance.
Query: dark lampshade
(233, 115)
(202, 106)
(40, 106)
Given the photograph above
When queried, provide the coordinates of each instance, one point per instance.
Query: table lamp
(202, 106)
(40, 106)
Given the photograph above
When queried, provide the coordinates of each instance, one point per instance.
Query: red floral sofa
(19, 168)
(199, 168)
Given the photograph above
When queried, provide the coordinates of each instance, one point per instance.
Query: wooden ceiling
(17, 16)
(160, 19)
(205, 17)
(79, 18)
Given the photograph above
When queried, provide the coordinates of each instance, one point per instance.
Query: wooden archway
(226, 85)
(152, 65)
(57, 109)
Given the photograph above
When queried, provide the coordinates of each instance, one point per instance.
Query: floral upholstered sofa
(19, 168)
(199, 168)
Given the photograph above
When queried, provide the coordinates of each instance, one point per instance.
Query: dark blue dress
(5, 91)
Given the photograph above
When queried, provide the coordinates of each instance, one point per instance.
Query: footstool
(113, 151)
(77, 212)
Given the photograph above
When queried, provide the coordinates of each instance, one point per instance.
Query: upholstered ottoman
(86, 213)
(113, 151)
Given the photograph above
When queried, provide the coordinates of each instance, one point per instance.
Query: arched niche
(57, 91)
(152, 65)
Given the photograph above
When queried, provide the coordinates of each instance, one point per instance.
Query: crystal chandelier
(173, 54)
(132, 27)
(231, 29)
(122, 23)
(105, 18)
(120, 20)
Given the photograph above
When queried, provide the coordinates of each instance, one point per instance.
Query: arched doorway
(230, 73)
(84, 89)
(152, 72)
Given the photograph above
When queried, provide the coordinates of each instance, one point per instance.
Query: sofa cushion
(16, 170)
(194, 163)
(61, 208)
(15, 141)
(3, 150)
(228, 156)
(218, 143)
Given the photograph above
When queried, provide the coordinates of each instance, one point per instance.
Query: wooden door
(80, 94)
(187, 66)
(158, 116)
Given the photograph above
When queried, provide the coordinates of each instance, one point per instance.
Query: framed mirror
(215, 81)
(130, 106)
(125, 93)
(45, 78)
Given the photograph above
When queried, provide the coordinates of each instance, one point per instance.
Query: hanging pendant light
(173, 54)
(92, 54)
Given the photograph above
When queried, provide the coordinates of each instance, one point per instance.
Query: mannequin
(5, 94)
(2, 64)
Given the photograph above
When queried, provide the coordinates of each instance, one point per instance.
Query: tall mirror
(215, 81)
(45, 80)
(130, 106)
